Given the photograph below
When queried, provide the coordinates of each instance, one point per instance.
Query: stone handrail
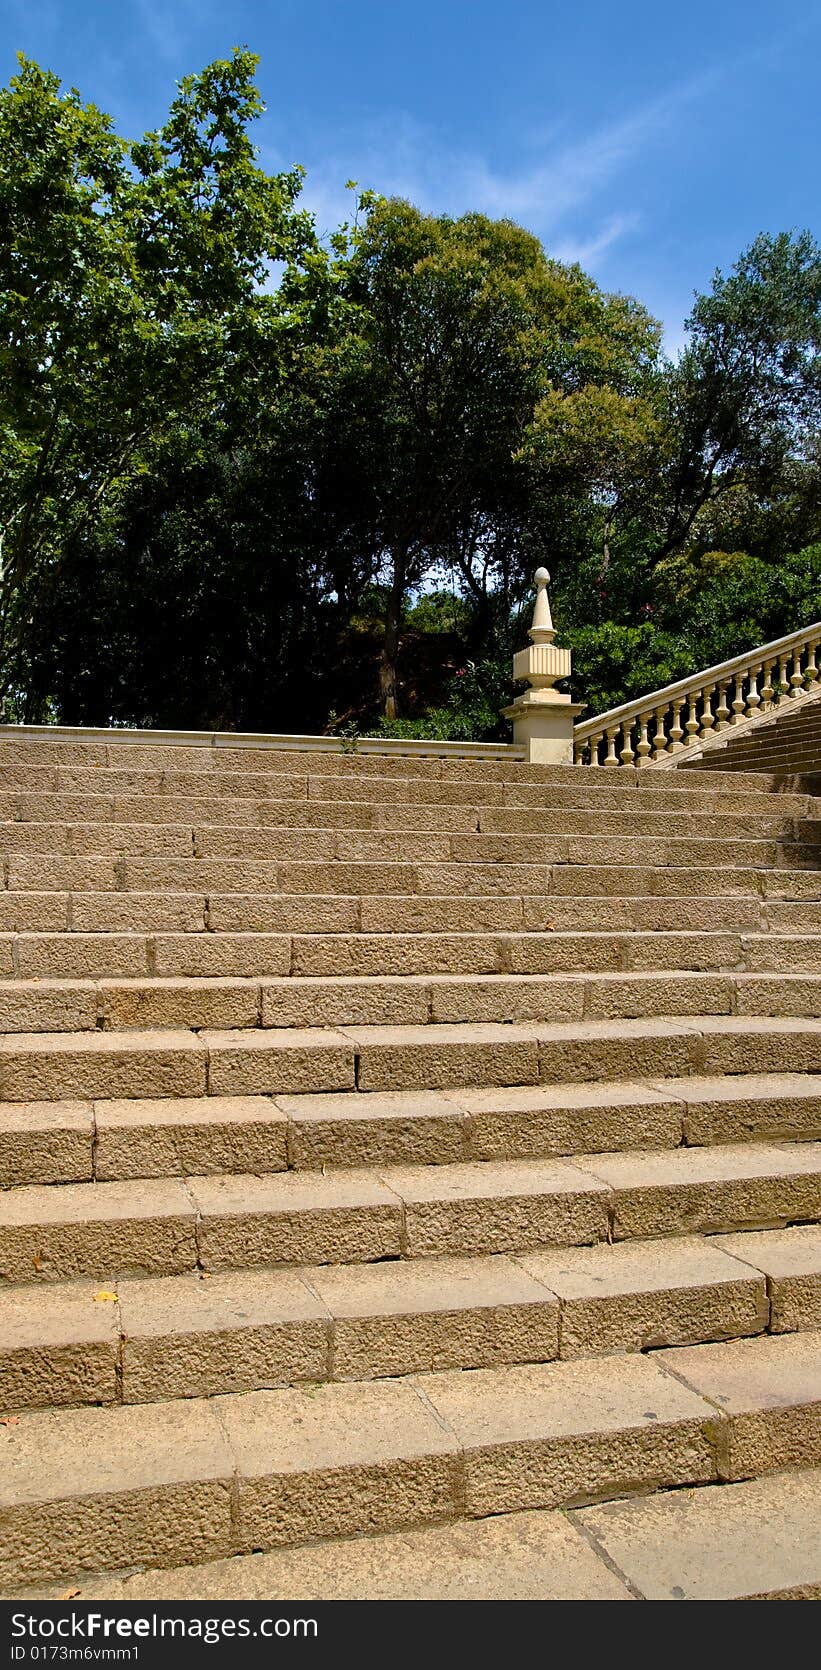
(786, 667)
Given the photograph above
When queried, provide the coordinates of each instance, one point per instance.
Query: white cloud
(566, 191)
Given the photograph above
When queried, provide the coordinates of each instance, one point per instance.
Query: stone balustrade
(689, 714)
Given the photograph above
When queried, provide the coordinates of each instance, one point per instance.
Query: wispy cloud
(567, 190)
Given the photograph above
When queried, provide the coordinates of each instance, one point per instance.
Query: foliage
(250, 479)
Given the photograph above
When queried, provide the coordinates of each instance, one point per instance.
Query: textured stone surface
(753, 1108)
(638, 1295)
(497, 1207)
(384, 1128)
(189, 1135)
(517, 1556)
(58, 1345)
(45, 1142)
(558, 1433)
(269, 1062)
(52, 1066)
(435, 1056)
(295, 1218)
(337, 1459)
(433, 1314)
(192, 1336)
(769, 1389)
(571, 1118)
(737, 1542)
(791, 1261)
(708, 1189)
(152, 1482)
(96, 1229)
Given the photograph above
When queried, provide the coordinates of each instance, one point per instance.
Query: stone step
(112, 911)
(81, 761)
(46, 872)
(377, 846)
(335, 816)
(665, 983)
(756, 1540)
(110, 1140)
(194, 1480)
(56, 1066)
(164, 1226)
(516, 786)
(203, 1336)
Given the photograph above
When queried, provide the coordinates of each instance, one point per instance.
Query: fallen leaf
(550, 927)
(70, 1594)
(105, 1295)
(38, 1261)
(205, 1275)
(9, 1420)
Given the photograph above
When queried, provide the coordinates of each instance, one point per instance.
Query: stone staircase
(787, 741)
(391, 1145)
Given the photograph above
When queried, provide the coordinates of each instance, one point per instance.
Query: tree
(745, 396)
(131, 302)
(457, 332)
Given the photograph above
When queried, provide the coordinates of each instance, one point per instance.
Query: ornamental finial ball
(541, 577)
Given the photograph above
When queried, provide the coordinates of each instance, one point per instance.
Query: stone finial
(541, 631)
(542, 717)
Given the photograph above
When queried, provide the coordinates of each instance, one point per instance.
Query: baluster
(738, 700)
(796, 676)
(610, 757)
(691, 725)
(753, 698)
(707, 720)
(579, 749)
(627, 756)
(722, 710)
(676, 732)
(783, 679)
(660, 737)
(643, 744)
(767, 687)
(811, 671)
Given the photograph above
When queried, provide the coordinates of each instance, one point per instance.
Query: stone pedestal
(543, 718)
(543, 723)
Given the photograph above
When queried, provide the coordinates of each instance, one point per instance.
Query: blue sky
(649, 141)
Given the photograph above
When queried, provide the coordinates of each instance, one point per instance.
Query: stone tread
(171, 1224)
(111, 1139)
(199, 1479)
(54, 1066)
(665, 984)
(137, 1340)
(754, 1540)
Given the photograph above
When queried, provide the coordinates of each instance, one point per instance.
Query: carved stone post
(543, 718)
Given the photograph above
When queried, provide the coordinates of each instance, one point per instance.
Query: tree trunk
(388, 679)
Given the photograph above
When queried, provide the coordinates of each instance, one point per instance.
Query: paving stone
(193, 1336)
(46, 1142)
(708, 1189)
(187, 1136)
(791, 1261)
(769, 1389)
(641, 1295)
(556, 1433)
(751, 1541)
(58, 1345)
(435, 1313)
(152, 1481)
(515, 1556)
(497, 1207)
(295, 1218)
(386, 1127)
(337, 1459)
